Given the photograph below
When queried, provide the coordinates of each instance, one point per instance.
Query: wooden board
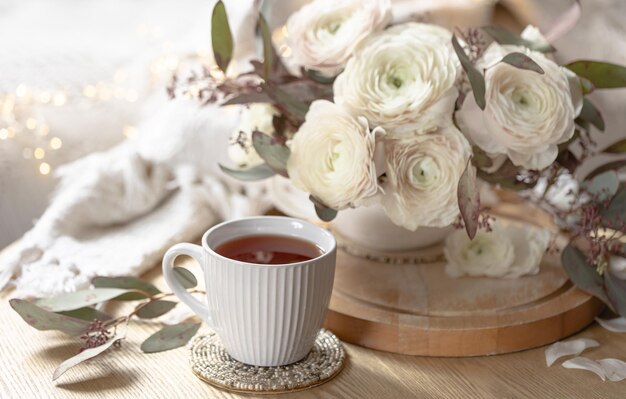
(417, 309)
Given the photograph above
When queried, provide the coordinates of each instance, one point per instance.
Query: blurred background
(78, 76)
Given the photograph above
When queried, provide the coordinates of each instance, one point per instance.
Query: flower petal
(617, 324)
(614, 369)
(568, 348)
(583, 363)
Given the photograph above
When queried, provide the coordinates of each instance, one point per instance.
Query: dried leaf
(603, 186)
(259, 172)
(581, 273)
(88, 314)
(79, 299)
(130, 283)
(221, 36)
(185, 277)
(602, 75)
(323, 212)
(583, 363)
(617, 324)
(568, 348)
(88, 353)
(616, 291)
(476, 79)
(170, 337)
(522, 61)
(618, 147)
(590, 114)
(614, 369)
(504, 36)
(273, 152)
(155, 309)
(469, 199)
(44, 320)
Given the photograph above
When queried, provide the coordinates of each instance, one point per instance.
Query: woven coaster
(211, 363)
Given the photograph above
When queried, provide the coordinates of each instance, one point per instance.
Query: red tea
(269, 249)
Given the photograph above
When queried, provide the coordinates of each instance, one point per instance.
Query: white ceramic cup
(265, 315)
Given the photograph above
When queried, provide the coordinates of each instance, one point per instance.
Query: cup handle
(196, 252)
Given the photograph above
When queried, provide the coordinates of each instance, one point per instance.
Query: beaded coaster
(211, 363)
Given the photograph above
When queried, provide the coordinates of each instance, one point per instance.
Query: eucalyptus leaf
(185, 277)
(44, 320)
(469, 199)
(323, 212)
(614, 165)
(294, 108)
(273, 152)
(80, 299)
(248, 98)
(603, 186)
(268, 48)
(87, 354)
(155, 309)
(522, 61)
(616, 291)
(586, 86)
(618, 147)
(603, 75)
(504, 36)
(476, 79)
(126, 282)
(259, 172)
(221, 36)
(170, 337)
(318, 76)
(590, 114)
(614, 215)
(582, 273)
(88, 314)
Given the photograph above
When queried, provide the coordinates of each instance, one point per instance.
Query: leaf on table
(259, 172)
(185, 277)
(617, 324)
(44, 320)
(80, 299)
(504, 36)
(88, 314)
(170, 337)
(582, 273)
(603, 75)
(323, 212)
(568, 348)
(476, 79)
(468, 197)
(126, 282)
(618, 147)
(583, 363)
(221, 36)
(522, 61)
(273, 152)
(603, 186)
(616, 291)
(614, 369)
(155, 309)
(590, 114)
(89, 353)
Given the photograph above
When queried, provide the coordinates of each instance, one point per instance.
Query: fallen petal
(568, 348)
(583, 363)
(617, 324)
(614, 369)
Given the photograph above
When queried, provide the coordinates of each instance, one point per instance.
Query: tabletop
(30, 357)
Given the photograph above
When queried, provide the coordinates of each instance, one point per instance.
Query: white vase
(365, 227)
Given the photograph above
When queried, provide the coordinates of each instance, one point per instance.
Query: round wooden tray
(417, 309)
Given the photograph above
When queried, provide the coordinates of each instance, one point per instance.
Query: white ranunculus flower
(402, 79)
(527, 114)
(332, 156)
(324, 33)
(423, 172)
(257, 116)
(511, 250)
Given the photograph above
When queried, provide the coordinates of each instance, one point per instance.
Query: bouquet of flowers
(411, 115)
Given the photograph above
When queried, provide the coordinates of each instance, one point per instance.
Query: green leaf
(79, 299)
(273, 152)
(522, 61)
(155, 309)
(602, 75)
(44, 320)
(248, 98)
(504, 36)
(476, 79)
(615, 165)
(616, 291)
(170, 337)
(87, 354)
(603, 186)
(469, 199)
(287, 103)
(185, 277)
(618, 147)
(323, 212)
(581, 273)
(586, 86)
(268, 48)
(259, 172)
(614, 215)
(88, 314)
(221, 37)
(130, 283)
(590, 114)
(318, 76)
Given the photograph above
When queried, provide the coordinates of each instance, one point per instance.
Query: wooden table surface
(29, 357)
